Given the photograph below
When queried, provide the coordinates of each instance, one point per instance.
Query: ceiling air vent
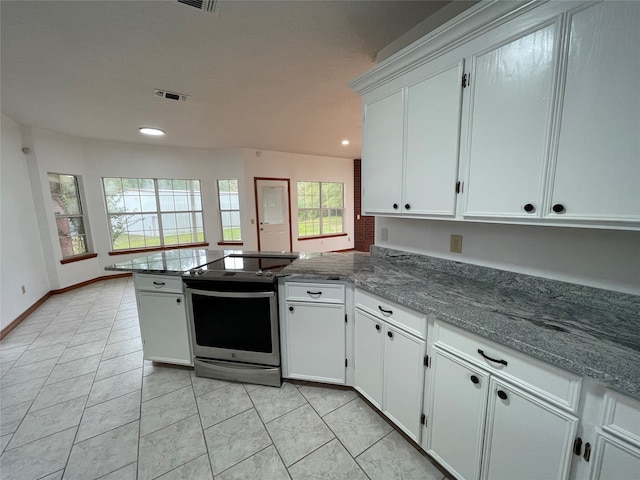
(171, 95)
(209, 6)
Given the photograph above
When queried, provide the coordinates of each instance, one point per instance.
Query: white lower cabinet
(316, 342)
(314, 332)
(485, 423)
(614, 459)
(389, 370)
(164, 327)
(455, 422)
(525, 437)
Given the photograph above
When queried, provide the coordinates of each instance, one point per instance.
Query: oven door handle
(210, 293)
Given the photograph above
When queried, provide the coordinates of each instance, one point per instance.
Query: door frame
(255, 191)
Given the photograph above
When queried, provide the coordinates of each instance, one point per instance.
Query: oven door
(235, 326)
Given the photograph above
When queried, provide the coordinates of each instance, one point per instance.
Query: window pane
(65, 198)
(332, 195)
(229, 204)
(132, 205)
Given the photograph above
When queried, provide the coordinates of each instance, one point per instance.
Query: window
(320, 208)
(70, 221)
(229, 210)
(150, 212)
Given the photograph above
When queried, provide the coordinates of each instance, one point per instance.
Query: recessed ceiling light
(345, 142)
(151, 131)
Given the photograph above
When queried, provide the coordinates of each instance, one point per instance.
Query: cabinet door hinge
(346, 363)
(466, 80)
(423, 419)
(459, 187)
(345, 318)
(426, 361)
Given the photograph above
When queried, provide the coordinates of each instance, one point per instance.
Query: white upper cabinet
(509, 122)
(433, 132)
(382, 171)
(597, 170)
(546, 130)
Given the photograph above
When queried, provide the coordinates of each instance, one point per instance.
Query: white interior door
(272, 202)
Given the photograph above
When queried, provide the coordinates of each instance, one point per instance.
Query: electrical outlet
(456, 244)
(24, 290)
(384, 234)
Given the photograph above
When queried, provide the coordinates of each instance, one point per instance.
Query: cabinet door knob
(502, 394)
(291, 309)
(395, 206)
(529, 208)
(407, 206)
(390, 335)
(377, 327)
(178, 300)
(474, 380)
(558, 208)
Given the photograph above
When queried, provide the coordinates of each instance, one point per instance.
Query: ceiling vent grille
(209, 6)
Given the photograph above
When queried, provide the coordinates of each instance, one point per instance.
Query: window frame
(158, 212)
(88, 245)
(225, 241)
(320, 210)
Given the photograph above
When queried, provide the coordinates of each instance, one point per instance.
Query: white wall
(606, 259)
(21, 255)
(297, 167)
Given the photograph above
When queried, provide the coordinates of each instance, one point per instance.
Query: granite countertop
(588, 331)
(169, 262)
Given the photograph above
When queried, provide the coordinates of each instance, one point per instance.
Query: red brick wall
(365, 225)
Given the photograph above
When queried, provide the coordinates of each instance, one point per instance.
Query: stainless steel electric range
(233, 312)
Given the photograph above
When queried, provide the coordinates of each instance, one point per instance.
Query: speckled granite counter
(169, 262)
(588, 331)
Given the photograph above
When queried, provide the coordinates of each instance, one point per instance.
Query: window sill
(158, 249)
(231, 243)
(323, 236)
(77, 258)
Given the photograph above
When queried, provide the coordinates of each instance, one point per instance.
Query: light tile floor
(77, 401)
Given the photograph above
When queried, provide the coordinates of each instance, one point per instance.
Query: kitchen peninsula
(588, 331)
(425, 340)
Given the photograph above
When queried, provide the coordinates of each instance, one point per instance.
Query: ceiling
(267, 75)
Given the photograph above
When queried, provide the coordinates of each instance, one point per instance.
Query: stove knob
(259, 273)
(269, 273)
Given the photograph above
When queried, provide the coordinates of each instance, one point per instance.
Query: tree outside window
(150, 212)
(229, 204)
(70, 222)
(320, 208)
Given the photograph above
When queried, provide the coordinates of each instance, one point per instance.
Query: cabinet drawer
(402, 317)
(314, 292)
(622, 416)
(158, 283)
(556, 385)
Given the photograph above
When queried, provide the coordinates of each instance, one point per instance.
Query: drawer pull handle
(474, 380)
(388, 312)
(503, 362)
(502, 394)
(377, 327)
(313, 293)
(159, 284)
